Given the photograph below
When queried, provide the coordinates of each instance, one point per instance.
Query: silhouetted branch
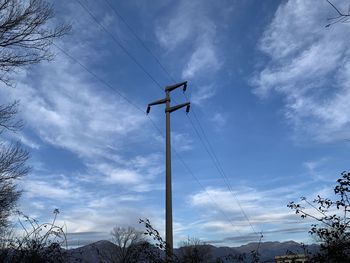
(8, 117)
(332, 228)
(40, 243)
(12, 166)
(25, 37)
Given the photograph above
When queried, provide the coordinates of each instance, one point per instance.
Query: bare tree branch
(25, 37)
(12, 167)
(332, 226)
(127, 240)
(8, 117)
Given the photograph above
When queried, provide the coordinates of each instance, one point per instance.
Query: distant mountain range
(102, 251)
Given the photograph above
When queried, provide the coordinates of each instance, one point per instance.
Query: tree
(12, 165)
(332, 226)
(193, 250)
(128, 241)
(25, 39)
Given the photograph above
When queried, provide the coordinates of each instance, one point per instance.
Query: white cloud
(70, 113)
(202, 94)
(226, 198)
(308, 66)
(65, 109)
(203, 60)
(121, 176)
(179, 27)
(108, 201)
(26, 140)
(316, 169)
(181, 141)
(58, 188)
(219, 119)
(266, 209)
(191, 26)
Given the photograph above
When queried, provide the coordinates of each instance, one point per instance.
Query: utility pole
(168, 191)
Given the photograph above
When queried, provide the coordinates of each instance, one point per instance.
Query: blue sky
(268, 83)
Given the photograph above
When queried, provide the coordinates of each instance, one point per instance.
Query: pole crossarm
(177, 107)
(158, 102)
(175, 86)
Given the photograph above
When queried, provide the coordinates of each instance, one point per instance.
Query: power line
(152, 122)
(99, 79)
(215, 159)
(223, 175)
(209, 150)
(140, 40)
(119, 44)
(196, 179)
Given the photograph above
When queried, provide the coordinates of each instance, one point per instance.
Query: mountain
(100, 251)
(268, 250)
(103, 251)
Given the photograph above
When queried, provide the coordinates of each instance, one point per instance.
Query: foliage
(128, 241)
(152, 253)
(40, 243)
(252, 257)
(25, 39)
(193, 250)
(12, 165)
(332, 222)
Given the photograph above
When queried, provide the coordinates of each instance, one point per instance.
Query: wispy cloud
(202, 93)
(71, 115)
(261, 207)
(181, 141)
(308, 65)
(192, 29)
(219, 119)
(65, 107)
(179, 27)
(316, 169)
(203, 60)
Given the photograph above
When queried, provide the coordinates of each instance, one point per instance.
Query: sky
(268, 85)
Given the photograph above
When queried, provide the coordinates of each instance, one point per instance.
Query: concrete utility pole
(168, 192)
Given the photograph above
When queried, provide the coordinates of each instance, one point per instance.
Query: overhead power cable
(119, 44)
(139, 39)
(209, 149)
(222, 173)
(189, 170)
(99, 79)
(119, 93)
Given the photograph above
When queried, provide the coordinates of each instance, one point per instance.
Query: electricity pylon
(168, 192)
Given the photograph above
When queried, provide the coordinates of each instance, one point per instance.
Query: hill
(103, 251)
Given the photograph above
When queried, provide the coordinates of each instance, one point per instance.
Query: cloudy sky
(269, 86)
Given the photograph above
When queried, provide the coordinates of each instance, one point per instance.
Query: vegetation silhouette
(41, 242)
(332, 222)
(128, 241)
(25, 39)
